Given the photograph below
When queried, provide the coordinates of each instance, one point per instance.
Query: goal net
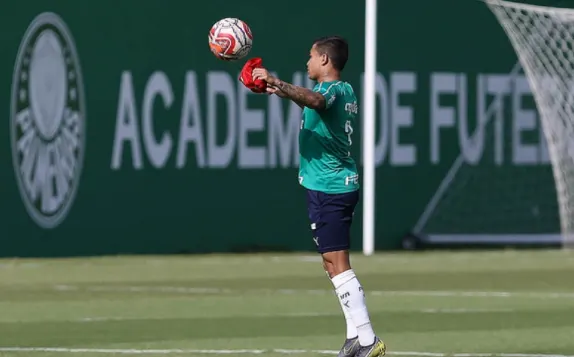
(532, 203)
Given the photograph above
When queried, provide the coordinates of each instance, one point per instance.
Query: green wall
(169, 153)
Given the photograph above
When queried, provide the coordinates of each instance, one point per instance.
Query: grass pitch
(464, 304)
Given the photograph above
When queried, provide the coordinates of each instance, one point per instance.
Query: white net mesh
(502, 198)
(543, 38)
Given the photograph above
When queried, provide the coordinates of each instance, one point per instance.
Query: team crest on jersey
(47, 120)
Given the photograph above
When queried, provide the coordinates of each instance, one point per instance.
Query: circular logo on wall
(48, 118)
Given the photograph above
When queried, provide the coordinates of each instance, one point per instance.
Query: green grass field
(506, 303)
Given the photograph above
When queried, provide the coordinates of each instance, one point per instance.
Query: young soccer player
(330, 177)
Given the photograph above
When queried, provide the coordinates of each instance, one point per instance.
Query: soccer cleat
(377, 349)
(350, 348)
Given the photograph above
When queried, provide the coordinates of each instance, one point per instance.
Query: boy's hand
(263, 74)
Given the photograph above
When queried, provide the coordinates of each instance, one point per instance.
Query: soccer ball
(230, 39)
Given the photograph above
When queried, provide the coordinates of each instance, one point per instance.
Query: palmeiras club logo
(48, 120)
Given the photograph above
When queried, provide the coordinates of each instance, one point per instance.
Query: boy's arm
(281, 94)
(300, 95)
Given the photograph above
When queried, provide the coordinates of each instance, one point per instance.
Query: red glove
(246, 76)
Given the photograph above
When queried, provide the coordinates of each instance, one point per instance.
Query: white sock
(351, 328)
(352, 299)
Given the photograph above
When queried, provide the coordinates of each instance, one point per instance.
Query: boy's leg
(331, 218)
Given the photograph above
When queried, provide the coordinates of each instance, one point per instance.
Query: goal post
(518, 205)
(543, 39)
(368, 132)
(489, 203)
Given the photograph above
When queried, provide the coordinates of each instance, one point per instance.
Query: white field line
(219, 291)
(311, 314)
(462, 311)
(134, 351)
(287, 314)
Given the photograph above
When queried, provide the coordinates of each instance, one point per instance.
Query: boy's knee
(336, 263)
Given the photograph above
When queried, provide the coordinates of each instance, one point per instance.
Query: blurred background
(158, 151)
(173, 155)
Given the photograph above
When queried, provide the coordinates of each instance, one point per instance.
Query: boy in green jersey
(329, 174)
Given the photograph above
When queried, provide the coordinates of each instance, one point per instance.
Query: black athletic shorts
(331, 216)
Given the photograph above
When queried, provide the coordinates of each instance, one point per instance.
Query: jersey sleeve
(329, 92)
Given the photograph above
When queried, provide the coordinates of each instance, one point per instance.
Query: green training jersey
(325, 162)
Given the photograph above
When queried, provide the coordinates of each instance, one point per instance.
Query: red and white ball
(230, 39)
